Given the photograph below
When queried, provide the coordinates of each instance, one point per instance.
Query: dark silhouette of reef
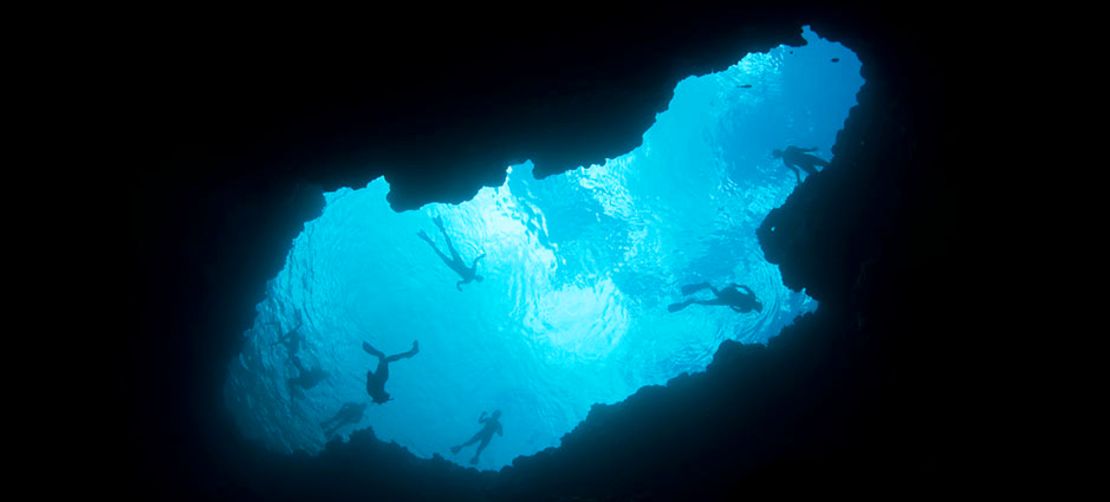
(244, 130)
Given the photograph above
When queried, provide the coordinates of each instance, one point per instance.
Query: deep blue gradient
(579, 271)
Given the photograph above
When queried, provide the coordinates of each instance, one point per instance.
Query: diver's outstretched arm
(475, 264)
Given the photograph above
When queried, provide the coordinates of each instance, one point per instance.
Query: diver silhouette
(797, 158)
(375, 379)
(456, 262)
(735, 299)
(491, 425)
(307, 378)
(291, 340)
(348, 414)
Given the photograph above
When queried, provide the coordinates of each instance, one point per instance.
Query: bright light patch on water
(578, 273)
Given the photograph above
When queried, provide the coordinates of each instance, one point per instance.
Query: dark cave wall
(845, 391)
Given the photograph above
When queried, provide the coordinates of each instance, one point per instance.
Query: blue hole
(578, 273)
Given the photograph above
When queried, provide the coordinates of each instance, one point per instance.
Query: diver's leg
(675, 307)
(382, 372)
(454, 253)
(482, 446)
(444, 257)
(336, 428)
(403, 355)
(797, 173)
(694, 288)
(436, 249)
(372, 351)
(450, 247)
(715, 301)
(472, 440)
(448, 261)
(370, 385)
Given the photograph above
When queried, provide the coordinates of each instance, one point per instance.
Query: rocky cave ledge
(857, 396)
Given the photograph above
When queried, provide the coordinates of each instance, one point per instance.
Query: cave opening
(583, 275)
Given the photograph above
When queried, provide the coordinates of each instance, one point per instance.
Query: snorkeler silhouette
(456, 262)
(796, 158)
(375, 380)
(348, 414)
(491, 426)
(307, 378)
(739, 301)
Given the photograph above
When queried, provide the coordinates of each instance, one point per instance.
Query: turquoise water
(578, 273)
